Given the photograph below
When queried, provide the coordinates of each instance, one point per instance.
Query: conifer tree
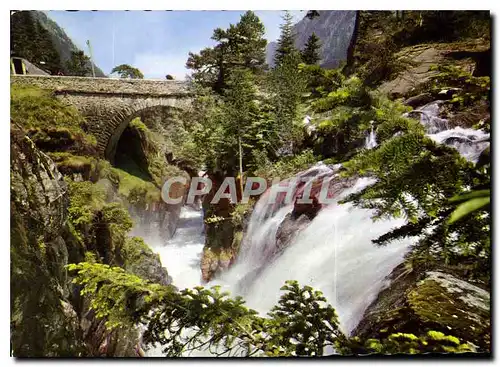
(126, 71)
(240, 45)
(310, 53)
(78, 64)
(286, 42)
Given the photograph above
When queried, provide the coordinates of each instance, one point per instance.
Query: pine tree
(78, 64)
(127, 71)
(240, 45)
(286, 42)
(310, 53)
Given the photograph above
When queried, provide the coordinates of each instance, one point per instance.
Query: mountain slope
(333, 27)
(29, 28)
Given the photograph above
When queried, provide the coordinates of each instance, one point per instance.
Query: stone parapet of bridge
(108, 105)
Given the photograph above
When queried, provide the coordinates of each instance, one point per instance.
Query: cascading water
(469, 142)
(334, 253)
(182, 253)
(371, 139)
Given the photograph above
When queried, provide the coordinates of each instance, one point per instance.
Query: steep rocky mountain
(333, 27)
(62, 44)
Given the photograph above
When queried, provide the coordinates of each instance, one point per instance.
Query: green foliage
(134, 249)
(405, 189)
(135, 189)
(78, 64)
(471, 89)
(138, 124)
(320, 82)
(33, 107)
(286, 42)
(350, 92)
(221, 121)
(118, 219)
(287, 86)
(310, 54)
(432, 342)
(287, 166)
(85, 199)
(109, 288)
(345, 114)
(126, 71)
(469, 202)
(303, 324)
(389, 119)
(88, 205)
(199, 318)
(241, 210)
(50, 123)
(239, 46)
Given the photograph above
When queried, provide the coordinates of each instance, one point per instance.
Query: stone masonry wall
(104, 85)
(108, 105)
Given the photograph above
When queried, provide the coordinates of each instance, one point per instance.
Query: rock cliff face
(43, 321)
(63, 44)
(49, 318)
(333, 27)
(225, 224)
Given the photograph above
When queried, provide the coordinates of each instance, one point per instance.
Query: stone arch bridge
(108, 105)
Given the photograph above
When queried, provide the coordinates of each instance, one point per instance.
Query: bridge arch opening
(154, 117)
(129, 146)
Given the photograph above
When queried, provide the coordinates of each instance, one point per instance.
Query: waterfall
(333, 254)
(469, 142)
(371, 140)
(182, 253)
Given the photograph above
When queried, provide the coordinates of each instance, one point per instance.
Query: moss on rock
(51, 124)
(432, 301)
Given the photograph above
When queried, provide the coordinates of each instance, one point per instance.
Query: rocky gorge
(102, 266)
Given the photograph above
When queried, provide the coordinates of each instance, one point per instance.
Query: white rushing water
(469, 142)
(334, 253)
(182, 253)
(371, 139)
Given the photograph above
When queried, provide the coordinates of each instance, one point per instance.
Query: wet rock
(49, 316)
(420, 100)
(214, 261)
(434, 300)
(289, 229)
(446, 94)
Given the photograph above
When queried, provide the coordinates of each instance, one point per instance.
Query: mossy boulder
(140, 260)
(225, 225)
(434, 300)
